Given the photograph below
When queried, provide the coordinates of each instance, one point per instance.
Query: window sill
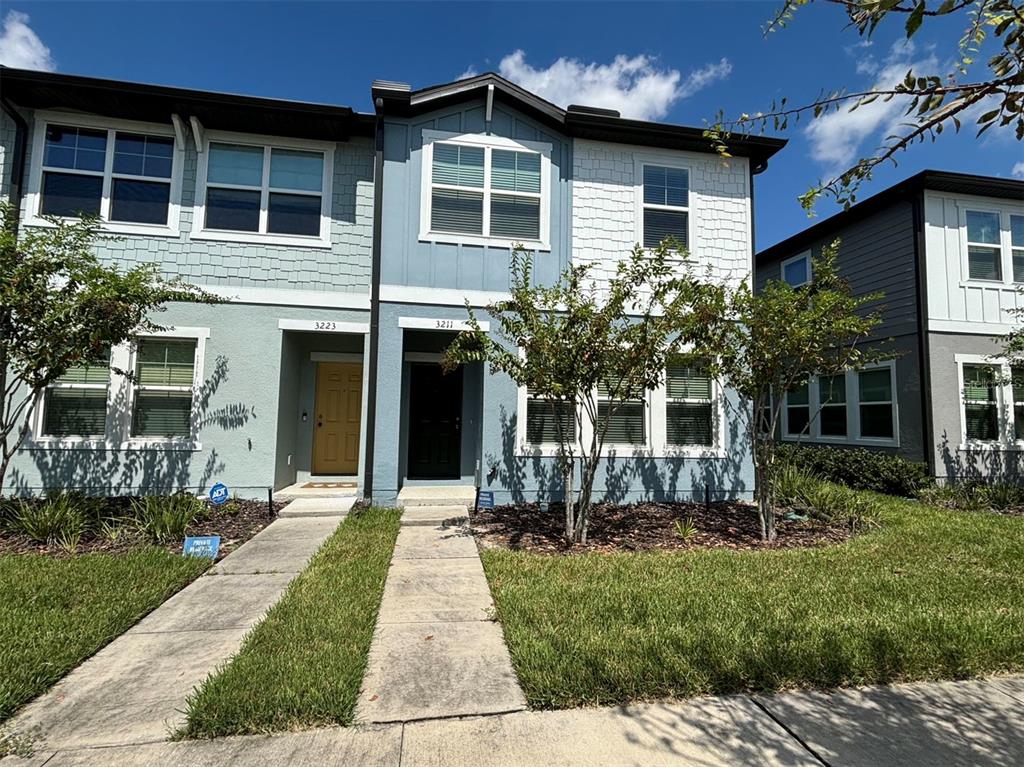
(168, 445)
(628, 451)
(116, 227)
(64, 443)
(991, 447)
(255, 238)
(451, 238)
(980, 283)
(849, 441)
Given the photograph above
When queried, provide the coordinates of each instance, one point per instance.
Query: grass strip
(302, 666)
(933, 594)
(55, 613)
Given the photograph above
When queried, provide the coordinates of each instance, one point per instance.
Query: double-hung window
(981, 403)
(75, 405)
(665, 205)
(545, 418)
(689, 417)
(119, 176)
(1017, 387)
(1017, 247)
(984, 256)
(798, 409)
(797, 270)
(483, 191)
(832, 399)
(874, 389)
(266, 190)
(626, 421)
(164, 387)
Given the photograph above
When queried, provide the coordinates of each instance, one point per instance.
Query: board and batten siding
(956, 303)
(876, 255)
(408, 262)
(605, 192)
(344, 267)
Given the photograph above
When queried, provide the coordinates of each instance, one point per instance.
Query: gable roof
(156, 103)
(575, 121)
(939, 181)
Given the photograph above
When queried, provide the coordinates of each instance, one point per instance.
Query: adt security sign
(218, 494)
(202, 546)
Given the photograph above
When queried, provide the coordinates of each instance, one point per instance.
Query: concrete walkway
(436, 652)
(134, 689)
(954, 723)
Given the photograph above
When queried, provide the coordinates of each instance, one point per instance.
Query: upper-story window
(126, 177)
(666, 205)
(275, 191)
(995, 245)
(484, 190)
(797, 270)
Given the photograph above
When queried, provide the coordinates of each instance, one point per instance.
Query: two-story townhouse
(265, 203)
(947, 252)
(471, 168)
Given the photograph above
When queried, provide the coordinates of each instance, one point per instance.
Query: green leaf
(915, 19)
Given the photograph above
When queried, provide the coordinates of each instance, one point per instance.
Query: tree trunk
(764, 458)
(569, 483)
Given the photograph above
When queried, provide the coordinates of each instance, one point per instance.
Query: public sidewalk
(134, 689)
(977, 722)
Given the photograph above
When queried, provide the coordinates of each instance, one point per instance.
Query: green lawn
(932, 594)
(55, 613)
(303, 665)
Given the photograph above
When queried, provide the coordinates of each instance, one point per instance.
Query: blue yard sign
(202, 546)
(219, 494)
(485, 499)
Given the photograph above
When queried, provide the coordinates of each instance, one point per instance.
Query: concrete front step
(437, 495)
(318, 507)
(434, 516)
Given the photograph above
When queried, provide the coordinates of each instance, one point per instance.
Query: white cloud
(21, 47)
(470, 72)
(1018, 170)
(837, 137)
(635, 86)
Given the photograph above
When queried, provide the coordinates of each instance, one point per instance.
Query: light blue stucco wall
(407, 261)
(249, 423)
(344, 267)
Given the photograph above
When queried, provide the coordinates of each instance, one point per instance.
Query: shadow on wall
(161, 470)
(980, 465)
(625, 476)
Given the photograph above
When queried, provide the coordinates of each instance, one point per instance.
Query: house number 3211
(325, 325)
(445, 324)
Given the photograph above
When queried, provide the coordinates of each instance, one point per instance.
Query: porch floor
(437, 495)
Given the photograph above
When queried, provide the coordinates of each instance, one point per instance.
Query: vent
(596, 111)
(391, 85)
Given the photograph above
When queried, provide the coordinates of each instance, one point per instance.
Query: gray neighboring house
(947, 251)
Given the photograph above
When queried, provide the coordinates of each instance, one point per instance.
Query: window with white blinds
(545, 418)
(75, 405)
(485, 192)
(627, 420)
(164, 386)
(688, 397)
(666, 205)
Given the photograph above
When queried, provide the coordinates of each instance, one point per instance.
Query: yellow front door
(339, 394)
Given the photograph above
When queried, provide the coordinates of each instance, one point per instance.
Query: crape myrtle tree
(766, 343)
(60, 308)
(989, 93)
(567, 341)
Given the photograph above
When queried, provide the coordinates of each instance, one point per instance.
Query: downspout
(923, 346)
(17, 159)
(378, 216)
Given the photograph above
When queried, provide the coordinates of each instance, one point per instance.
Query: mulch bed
(235, 522)
(645, 527)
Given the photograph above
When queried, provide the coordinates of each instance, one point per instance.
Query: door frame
(331, 358)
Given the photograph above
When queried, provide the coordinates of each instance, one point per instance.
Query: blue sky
(676, 61)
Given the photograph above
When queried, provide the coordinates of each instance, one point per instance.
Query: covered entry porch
(321, 407)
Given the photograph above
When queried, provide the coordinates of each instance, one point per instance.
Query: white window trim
(488, 143)
(1004, 405)
(853, 403)
(1005, 244)
(93, 442)
(267, 143)
(34, 197)
(641, 159)
(191, 442)
(659, 417)
(805, 256)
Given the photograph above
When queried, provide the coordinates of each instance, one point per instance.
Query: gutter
(17, 159)
(375, 269)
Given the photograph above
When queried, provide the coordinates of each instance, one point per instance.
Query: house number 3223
(325, 325)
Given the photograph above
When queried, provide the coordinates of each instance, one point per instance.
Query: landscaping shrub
(165, 518)
(976, 496)
(859, 468)
(825, 501)
(59, 518)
